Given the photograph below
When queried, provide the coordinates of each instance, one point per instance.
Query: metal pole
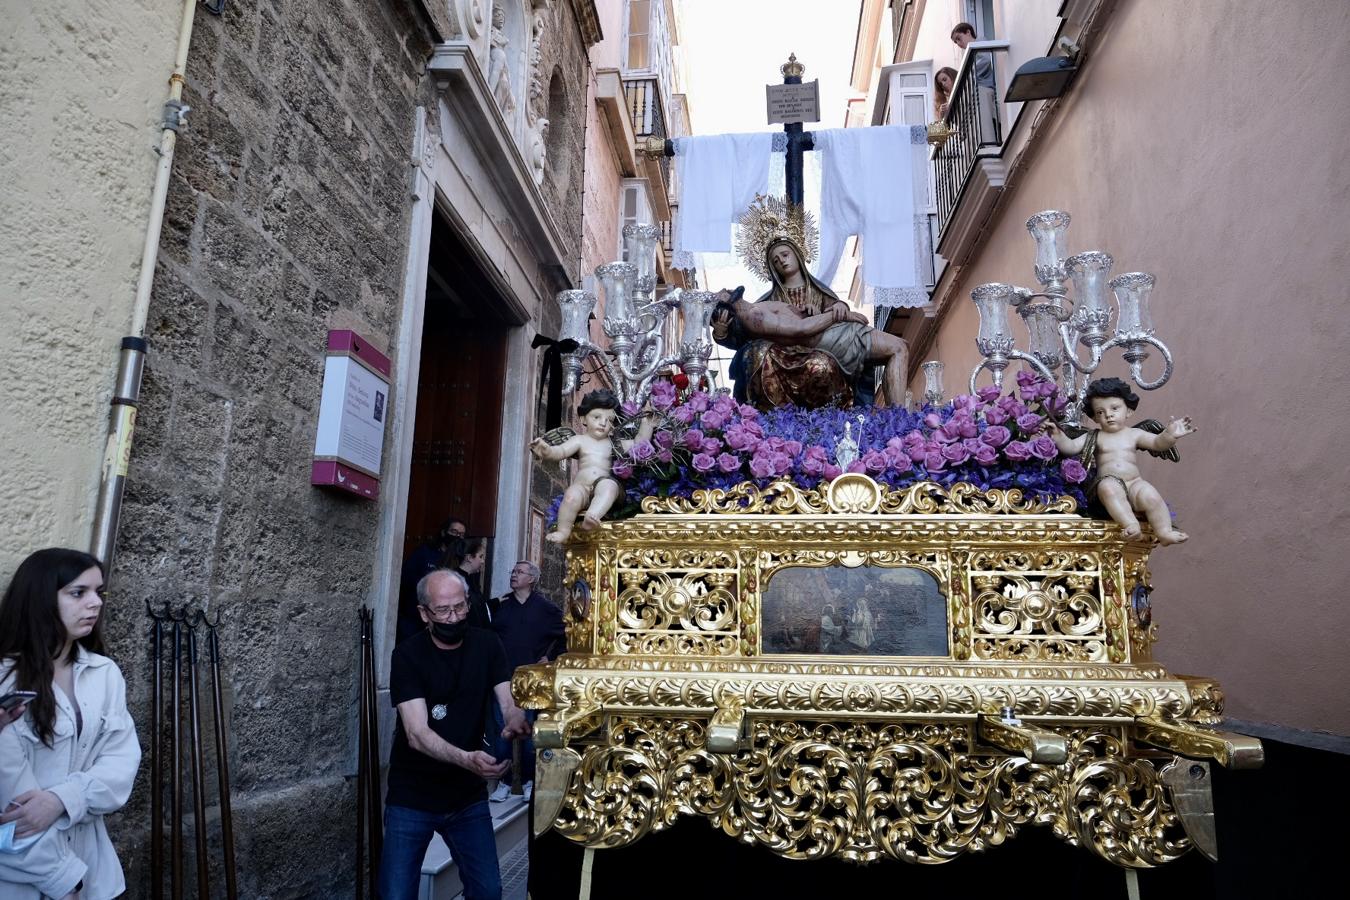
(198, 764)
(222, 761)
(373, 753)
(361, 764)
(117, 451)
(176, 786)
(156, 754)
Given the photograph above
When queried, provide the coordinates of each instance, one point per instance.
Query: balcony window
(634, 209)
(639, 34)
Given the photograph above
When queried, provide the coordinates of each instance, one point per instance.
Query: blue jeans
(502, 746)
(468, 834)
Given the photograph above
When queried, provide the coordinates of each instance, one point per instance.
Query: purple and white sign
(349, 445)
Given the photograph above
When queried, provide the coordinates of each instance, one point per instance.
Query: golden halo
(771, 219)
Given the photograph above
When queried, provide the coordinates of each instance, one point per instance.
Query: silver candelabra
(636, 324)
(1055, 323)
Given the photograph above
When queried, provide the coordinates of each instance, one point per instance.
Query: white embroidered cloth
(874, 185)
(719, 176)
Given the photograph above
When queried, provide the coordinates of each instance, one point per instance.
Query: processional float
(872, 664)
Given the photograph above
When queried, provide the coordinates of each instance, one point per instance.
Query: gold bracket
(555, 728)
(1035, 744)
(727, 725)
(1232, 751)
(653, 147)
(553, 770)
(1188, 782)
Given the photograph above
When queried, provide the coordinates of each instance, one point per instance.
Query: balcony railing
(647, 113)
(974, 116)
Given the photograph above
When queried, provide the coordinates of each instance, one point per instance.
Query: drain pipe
(131, 363)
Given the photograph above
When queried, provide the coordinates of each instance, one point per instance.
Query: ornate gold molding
(857, 494)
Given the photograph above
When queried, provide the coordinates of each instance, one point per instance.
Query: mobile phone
(17, 698)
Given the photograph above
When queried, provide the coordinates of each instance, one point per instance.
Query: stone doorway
(456, 453)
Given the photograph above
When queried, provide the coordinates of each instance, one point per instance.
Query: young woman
(943, 82)
(73, 756)
(468, 556)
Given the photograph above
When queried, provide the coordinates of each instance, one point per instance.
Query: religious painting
(536, 552)
(864, 611)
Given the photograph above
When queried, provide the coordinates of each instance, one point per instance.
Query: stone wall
(288, 214)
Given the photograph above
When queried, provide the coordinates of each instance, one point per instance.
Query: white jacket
(91, 773)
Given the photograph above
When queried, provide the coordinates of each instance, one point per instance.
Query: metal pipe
(373, 753)
(361, 764)
(222, 760)
(156, 752)
(176, 785)
(122, 417)
(198, 765)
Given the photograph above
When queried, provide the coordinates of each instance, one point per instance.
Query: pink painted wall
(1208, 148)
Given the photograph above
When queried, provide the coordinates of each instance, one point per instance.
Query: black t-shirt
(457, 687)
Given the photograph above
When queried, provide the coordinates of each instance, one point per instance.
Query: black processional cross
(791, 103)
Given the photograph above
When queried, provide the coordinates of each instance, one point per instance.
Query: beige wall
(83, 87)
(600, 216)
(1207, 148)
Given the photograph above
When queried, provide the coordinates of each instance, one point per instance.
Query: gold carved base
(702, 678)
(863, 791)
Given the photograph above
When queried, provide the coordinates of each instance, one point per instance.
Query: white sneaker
(527, 789)
(501, 794)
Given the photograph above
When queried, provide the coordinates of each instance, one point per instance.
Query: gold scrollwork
(856, 493)
(864, 791)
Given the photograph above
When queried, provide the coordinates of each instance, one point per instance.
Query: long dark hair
(460, 550)
(940, 96)
(31, 633)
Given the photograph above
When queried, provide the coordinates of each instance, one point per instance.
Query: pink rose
(897, 459)
(933, 420)
(935, 462)
(663, 439)
(956, 453)
(621, 470)
(712, 420)
(973, 445)
(996, 415)
(761, 466)
(874, 461)
(663, 395)
(996, 436)
(683, 414)
(643, 451)
(1017, 451)
(711, 445)
(693, 439)
(1044, 448)
(946, 434)
(703, 462)
(1029, 422)
(782, 463)
(966, 427)
(964, 401)
(986, 455)
(748, 412)
(988, 394)
(724, 405)
(698, 402)
(738, 438)
(1073, 471)
(728, 462)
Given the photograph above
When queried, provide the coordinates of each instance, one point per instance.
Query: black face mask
(450, 632)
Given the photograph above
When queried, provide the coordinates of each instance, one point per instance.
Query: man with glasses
(531, 628)
(440, 681)
(426, 558)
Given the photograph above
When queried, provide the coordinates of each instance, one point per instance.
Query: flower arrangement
(988, 439)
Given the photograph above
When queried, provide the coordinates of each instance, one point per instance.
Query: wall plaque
(352, 416)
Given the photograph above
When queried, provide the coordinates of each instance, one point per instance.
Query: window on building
(639, 34)
(634, 209)
(980, 14)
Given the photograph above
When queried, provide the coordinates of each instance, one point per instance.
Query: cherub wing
(556, 437)
(1153, 426)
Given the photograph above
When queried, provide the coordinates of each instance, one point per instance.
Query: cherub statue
(594, 448)
(1111, 447)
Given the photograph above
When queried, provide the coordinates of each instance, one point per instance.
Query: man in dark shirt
(424, 559)
(531, 628)
(440, 681)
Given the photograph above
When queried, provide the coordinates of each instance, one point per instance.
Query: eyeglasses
(443, 612)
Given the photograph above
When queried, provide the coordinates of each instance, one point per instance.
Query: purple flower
(713, 420)
(664, 455)
(935, 462)
(811, 465)
(973, 445)
(643, 451)
(621, 470)
(703, 462)
(693, 439)
(792, 448)
(815, 451)
(1017, 451)
(1046, 389)
(996, 415)
(663, 395)
(663, 439)
(933, 420)
(964, 401)
(874, 461)
(738, 437)
(946, 434)
(988, 394)
(683, 414)
(986, 455)
(956, 453)
(898, 459)
(1044, 448)
(698, 402)
(832, 471)
(728, 462)
(761, 466)
(748, 412)
(1073, 471)
(782, 463)
(1029, 422)
(724, 405)
(996, 436)
(629, 409)
(857, 466)
(711, 445)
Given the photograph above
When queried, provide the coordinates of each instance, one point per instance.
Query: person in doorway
(963, 35)
(424, 559)
(531, 628)
(72, 758)
(467, 556)
(440, 682)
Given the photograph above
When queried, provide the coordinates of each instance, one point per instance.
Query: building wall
(1173, 151)
(78, 160)
(600, 224)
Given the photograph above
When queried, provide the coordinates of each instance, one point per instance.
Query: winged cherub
(594, 447)
(1112, 445)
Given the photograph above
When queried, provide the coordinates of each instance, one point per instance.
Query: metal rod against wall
(222, 760)
(176, 790)
(198, 766)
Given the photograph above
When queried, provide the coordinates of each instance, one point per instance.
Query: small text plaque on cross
(793, 103)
